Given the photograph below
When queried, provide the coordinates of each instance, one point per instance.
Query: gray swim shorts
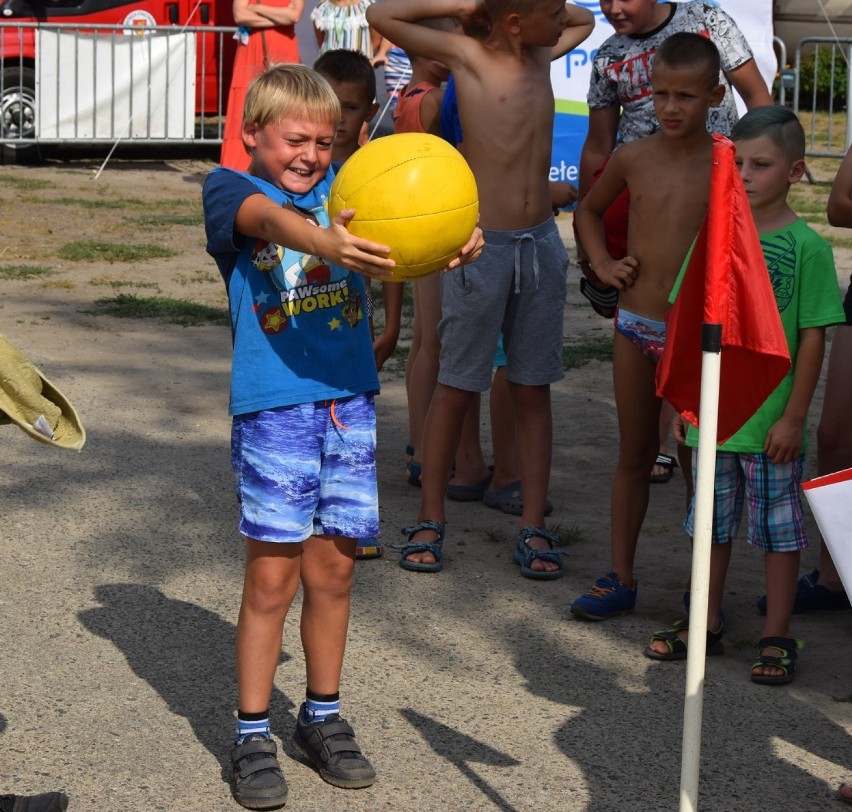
(518, 286)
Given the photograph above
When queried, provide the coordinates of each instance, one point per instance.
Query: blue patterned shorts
(772, 492)
(307, 470)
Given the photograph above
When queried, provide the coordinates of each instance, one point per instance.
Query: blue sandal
(525, 555)
(435, 547)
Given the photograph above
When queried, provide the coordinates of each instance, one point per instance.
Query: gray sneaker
(331, 747)
(258, 780)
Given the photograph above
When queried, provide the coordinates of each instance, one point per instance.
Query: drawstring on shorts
(519, 240)
(333, 415)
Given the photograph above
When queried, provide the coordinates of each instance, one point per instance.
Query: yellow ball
(412, 192)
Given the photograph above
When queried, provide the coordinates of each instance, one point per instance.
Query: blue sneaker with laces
(606, 598)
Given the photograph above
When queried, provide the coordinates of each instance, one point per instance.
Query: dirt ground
(473, 689)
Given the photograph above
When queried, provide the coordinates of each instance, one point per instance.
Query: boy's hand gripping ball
(412, 192)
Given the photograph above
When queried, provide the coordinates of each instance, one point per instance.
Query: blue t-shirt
(298, 323)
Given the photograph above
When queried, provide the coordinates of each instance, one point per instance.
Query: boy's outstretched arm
(784, 439)
(581, 23)
(839, 207)
(259, 217)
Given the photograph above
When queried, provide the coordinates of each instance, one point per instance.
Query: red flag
(726, 280)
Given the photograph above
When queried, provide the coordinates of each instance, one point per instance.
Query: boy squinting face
(682, 97)
(292, 153)
(766, 171)
(630, 16)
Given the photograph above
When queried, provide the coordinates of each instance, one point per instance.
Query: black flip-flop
(666, 462)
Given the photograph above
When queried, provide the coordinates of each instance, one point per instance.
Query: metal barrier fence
(784, 76)
(79, 81)
(822, 89)
(67, 83)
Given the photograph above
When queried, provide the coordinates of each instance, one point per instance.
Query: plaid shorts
(775, 517)
(307, 470)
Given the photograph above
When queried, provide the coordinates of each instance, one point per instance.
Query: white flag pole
(708, 414)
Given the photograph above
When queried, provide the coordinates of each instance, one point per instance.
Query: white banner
(570, 76)
(91, 86)
(830, 498)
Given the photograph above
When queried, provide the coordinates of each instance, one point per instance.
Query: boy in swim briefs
(621, 109)
(668, 177)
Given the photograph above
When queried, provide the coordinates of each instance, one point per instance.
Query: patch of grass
(94, 250)
(812, 210)
(101, 203)
(822, 132)
(839, 242)
(567, 533)
(196, 278)
(65, 284)
(579, 354)
(175, 311)
(152, 221)
(122, 283)
(24, 183)
(24, 271)
(154, 206)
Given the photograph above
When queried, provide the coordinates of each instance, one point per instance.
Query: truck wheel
(17, 114)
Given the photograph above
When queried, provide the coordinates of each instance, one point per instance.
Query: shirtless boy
(668, 177)
(506, 112)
